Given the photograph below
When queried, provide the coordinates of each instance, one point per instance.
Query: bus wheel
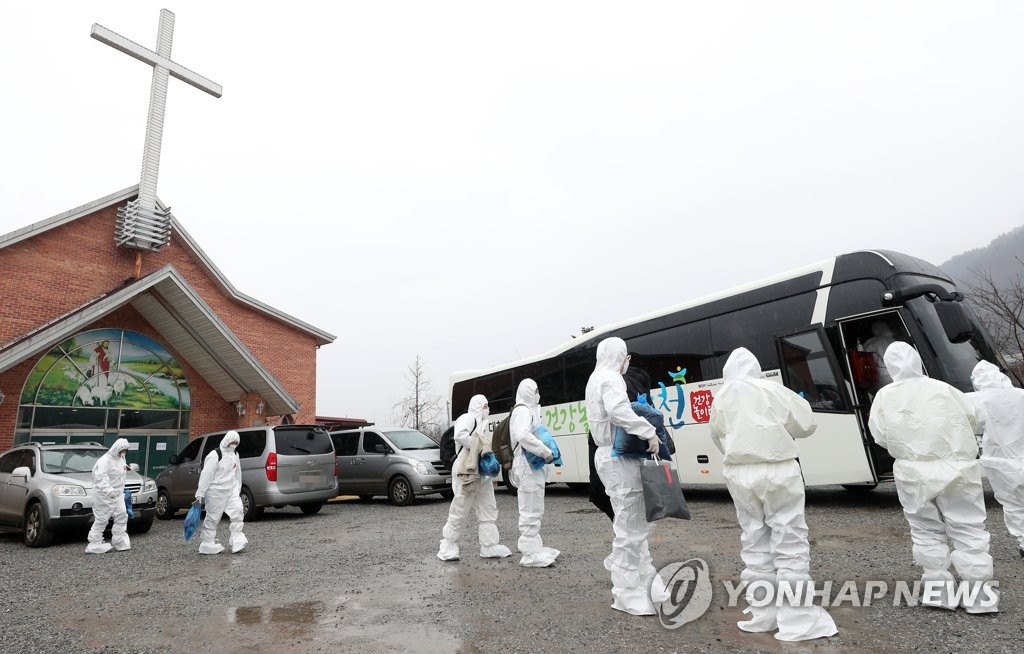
(509, 486)
(860, 489)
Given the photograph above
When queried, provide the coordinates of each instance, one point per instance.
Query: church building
(99, 342)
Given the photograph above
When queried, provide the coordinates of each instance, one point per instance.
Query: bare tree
(421, 408)
(1000, 307)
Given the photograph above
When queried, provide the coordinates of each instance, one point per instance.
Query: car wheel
(37, 532)
(366, 498)
(250, 513)
(400, 491)
(164, 509)
(509, 486)
(310, 508)
(140, 526)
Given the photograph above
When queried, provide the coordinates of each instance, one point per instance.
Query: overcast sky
(473, 182)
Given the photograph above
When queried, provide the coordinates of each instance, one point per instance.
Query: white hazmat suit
(530, 482)
(1002, 446)
(220, 484)
(108, 475)
(608, 406)
(753, 423)
(928, 427)
(471, 494)
(880, 340)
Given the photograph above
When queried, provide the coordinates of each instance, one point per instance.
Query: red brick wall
(56, 272)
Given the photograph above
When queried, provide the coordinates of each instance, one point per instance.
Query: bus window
(499, 391)
(548, 375)
(954, 359)
(755, 327)
(808, 370)
(679, 352)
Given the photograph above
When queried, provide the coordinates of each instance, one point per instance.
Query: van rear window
(301, 441)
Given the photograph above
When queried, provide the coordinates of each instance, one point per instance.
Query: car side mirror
(382, 449)
(134, 467)
(173, 459)
(21, 471)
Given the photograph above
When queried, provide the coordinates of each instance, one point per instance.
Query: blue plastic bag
(128, 503)
(489, 466)
(634, 447)
(192, 519)
(536, 462)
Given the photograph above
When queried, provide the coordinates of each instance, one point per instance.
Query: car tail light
(272, 466)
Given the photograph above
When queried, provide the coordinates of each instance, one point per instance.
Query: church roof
(321, 337)
(184, 320)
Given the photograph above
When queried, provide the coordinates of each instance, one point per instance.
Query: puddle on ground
(297, 613)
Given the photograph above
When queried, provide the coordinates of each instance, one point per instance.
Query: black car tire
(164, 509)
(37, 532)
(310, 508)
(400, 491)
(140, 526)
(250, 512)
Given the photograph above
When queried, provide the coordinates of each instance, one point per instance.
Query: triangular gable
(185, 322)
(321, 337)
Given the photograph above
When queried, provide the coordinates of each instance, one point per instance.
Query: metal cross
(141, 224)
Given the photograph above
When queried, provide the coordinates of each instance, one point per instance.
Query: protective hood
(529, 394)
(986, 377)
(119, 444)
(903, 362)
(478, 408)
(611, 352)
(882, 330)
(230, 438)
(741, 364)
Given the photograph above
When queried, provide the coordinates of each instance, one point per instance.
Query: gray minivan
(288, 465)
(398, 462)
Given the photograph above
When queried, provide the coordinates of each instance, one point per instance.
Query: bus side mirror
(954, 321)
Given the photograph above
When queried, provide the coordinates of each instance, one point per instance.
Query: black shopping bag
(663, 498)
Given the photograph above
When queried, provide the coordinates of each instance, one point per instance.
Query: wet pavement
(362, 577)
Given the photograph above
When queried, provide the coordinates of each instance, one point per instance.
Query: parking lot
(362, 577)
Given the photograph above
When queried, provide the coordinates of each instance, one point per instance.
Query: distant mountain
(1000, 257)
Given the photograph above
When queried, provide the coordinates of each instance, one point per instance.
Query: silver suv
(45, 488)
(400, 463)
(288, 465)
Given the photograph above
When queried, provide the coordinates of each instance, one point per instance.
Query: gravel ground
(362, 577)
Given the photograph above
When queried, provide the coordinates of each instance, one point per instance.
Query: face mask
(625, 366)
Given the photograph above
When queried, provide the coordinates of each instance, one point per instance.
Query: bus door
(864, 340)
(835, 453)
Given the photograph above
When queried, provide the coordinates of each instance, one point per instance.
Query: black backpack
(449, 449)
(501, 441)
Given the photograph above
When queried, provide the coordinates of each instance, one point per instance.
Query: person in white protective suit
(108, 475)
(754, 423)
(524, 419)
(881, 339)
(629, 563)
(1002, 446)
(476, 494)
(928, 427)
(220, 484)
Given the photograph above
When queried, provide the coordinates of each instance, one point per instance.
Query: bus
(808, 329)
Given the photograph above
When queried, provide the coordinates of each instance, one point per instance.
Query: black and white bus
(807, 327)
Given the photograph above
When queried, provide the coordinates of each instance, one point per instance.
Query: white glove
(111, 494)
(199, 498)
(653, 445)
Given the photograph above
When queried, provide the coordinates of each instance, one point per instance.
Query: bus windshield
(956, 361)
